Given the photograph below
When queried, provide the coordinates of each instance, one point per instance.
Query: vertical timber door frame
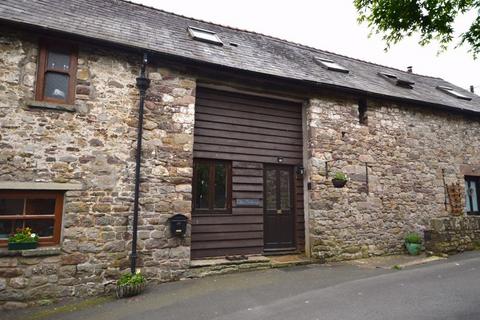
(306, 177)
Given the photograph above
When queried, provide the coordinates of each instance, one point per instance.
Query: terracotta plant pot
(22, 245)
(129, 290)
(339, 183)
(413, 248)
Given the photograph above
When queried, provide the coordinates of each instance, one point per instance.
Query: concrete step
(205, 267)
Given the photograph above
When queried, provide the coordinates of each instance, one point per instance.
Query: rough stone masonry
(94, 146)
(405, 148)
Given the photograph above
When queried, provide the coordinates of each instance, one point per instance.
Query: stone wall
(453, 234)
(95, 147)
(406, 149)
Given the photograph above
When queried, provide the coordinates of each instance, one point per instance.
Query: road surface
(448, 289)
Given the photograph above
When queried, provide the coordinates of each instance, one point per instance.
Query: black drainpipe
(142, 84)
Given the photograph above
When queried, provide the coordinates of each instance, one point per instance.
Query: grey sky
(331, 25)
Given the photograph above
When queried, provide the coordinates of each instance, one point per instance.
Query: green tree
(431, 19)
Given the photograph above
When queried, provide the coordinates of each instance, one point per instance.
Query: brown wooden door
(279, 217)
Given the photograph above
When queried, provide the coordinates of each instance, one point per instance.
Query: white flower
(33, 235)
(138, 271)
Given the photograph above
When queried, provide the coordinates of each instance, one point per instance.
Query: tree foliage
(431, 19)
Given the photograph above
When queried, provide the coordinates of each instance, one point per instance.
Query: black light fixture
(300, 170)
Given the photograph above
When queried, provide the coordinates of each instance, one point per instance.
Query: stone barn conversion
(242, 135)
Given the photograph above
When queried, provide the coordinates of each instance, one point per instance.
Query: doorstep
(289, 260)
(215, 266)
(225, 261)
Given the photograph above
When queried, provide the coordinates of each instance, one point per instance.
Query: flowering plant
(340, 176)
(24, 235)
(131, 279)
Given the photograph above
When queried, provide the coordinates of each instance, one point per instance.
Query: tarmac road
(448, 289)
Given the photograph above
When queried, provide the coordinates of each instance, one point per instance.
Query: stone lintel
(13, 185)
(469, 170)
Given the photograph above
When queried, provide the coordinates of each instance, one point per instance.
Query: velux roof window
(331, 65)
(204, 35)
(453, 92)
(404, 83)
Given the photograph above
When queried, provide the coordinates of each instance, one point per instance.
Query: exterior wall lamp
(300, 170)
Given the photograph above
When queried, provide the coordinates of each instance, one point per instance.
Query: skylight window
(205, 36)
(404, 83)
(453, 92)
(331, 65)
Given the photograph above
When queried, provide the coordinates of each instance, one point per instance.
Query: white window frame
(204, 35)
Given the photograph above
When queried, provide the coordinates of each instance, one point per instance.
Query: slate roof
(139, 26)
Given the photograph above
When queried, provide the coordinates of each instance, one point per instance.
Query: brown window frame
(45, 46)
(57, 216)
(211, 187)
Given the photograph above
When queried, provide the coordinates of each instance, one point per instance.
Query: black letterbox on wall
(178, 225)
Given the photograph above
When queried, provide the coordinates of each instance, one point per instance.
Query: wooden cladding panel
(213, 219)
(289, 113)
(225, 244)
(220, 252)
(234, 126)
(249, 131)
(230, 156)
(205, 228)
(242, 136)
(220, 236)
(228, 127)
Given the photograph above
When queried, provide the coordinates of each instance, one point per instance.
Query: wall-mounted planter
(22, 245)
(337, 183)
(129, 290)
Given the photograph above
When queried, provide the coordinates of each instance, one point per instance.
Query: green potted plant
(23, 239)
(413, 243)
(339, 180)
(130, 284)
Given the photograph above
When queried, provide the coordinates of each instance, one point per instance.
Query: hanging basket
(129, 290)
(337, 183)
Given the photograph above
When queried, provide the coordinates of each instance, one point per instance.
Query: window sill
(38, 252)
(51, 106)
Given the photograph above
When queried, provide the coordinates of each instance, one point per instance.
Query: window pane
(473, 192)
(58, 59)
(220, 186)
(201, 187)
(15, 225)
(284, 190)
(11, 206)
(468, 206)
(271, 190)
(40, 206)
(56, 85)
(6, 228)
(43, 228)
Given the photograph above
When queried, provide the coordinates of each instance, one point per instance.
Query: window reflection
(220, 186)
(201, 188)
(271, 190)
